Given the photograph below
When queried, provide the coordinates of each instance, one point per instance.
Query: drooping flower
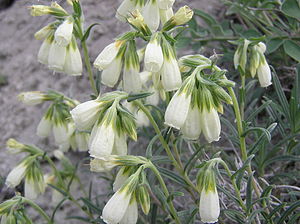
(192, 125)
(32, 97)
(151, 15)
(73, 61)
(56, 57)
(64, 32)
(209, 206)
(44, 127)
(111, 74)
(210, 124)
(153, 55)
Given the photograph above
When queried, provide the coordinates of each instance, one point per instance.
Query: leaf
(288, 212)
(235, 215)
(292, 49)
(263, 130)
(249, 194)
(171, 175)
(87, 32)
(291, 8)
(258, 110)
(273, 45)
(282, 158)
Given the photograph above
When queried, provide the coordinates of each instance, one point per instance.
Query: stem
(89, 67)
(38, 209)
(242, 95)
(166, 192)
(165, 145)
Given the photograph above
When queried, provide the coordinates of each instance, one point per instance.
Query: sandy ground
(18, 50)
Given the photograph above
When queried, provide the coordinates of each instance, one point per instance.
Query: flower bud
(73, 62)
(192, 126)
(209, 206)
(107, 55)
(58, 154)
(14, 146)
(110, 75)
(151, 15)
(102, 140)
(153, 56)
(57, 56)
(126, 7)
(63, 34)
(16, 175)
(43, 54)
(183, 15)
(262, 47)
(264, 74)
(116, 207)
(177, 110)
(44, 32)
(103, 164)
(85, 114)
(210, 125)
(165, 4)
(170, 74)
(137, 20)
(31, 98)
(39, 10)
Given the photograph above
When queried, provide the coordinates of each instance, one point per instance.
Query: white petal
(44, 128)
(82, 140)
(16, 175)
(165, 15)
(142, 119)
(153, 57)
(61, 134)
(120, 145)
(210, 125)
(131, 214)
(132, 81)
(170, 75)
(119, 180)
(73, 62)
(165, 4)
(101, 141)
(151, 15)
(116, 207)
(209, 206)
(126, 7)
(111, 74)
(177, 110)
(264, 75)
(31, 191)
(85, 114)
(43, 54)
(57, 56)
(64, 33)
(192, 125)
(106, 57)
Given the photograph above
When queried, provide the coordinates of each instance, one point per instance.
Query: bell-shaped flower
(131, 214)
(32, 98)
(170, 74)
(64, 32)
(151, 15)
(73, 62)
(44, 51)
(192, 126)
(209, 206)
(264, 74)
(107, 55)
(116, 207)
(165, 4)
(120, 144)
(44, 127)
(57, 56)
(111, 74)
(44, 32)
(85, 114)
(82, 140)
(126, 7)
(210, 124)
(132, 80)
(102, 140)
(61, 133)
(120, 179)
(166, 15)
(177, 110)
(153, 56)
(34, 184)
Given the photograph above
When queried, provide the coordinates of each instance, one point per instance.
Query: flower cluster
(194, 107)
(59, 50)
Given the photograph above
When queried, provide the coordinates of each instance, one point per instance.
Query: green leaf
(288, 212)
(249, 194)
(235, 215)
(273, 45)
(263, 130)
(292, 49)
(291, 8)
(171, 175)
(87, 32)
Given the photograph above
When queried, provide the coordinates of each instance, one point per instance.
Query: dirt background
(18, 63)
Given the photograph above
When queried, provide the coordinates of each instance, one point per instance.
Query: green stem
(166, 192)
(38, 209)
(242, 95)
(165, 145)
(89, 67)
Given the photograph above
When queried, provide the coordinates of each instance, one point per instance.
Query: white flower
(264, 74)
(43, 33)
(120, 145)
(209, 206)
(142, 119)
(154, 98)
(31, 98)
(111, 74)
(82, 140)
(165, 15)
(177, 110)
(73, 62)
(43, 54)
(183, 15)
(132, 80)
(16, 175)
(165, 4)
(131, 214)
(116, 207)
(44, 127)
(151, 15)
(107, 55)
(170, 75)
(153, 56)
(85, 114)
(192, 125)
(119, 180)
(61, 133)
(102, 140)
(126, 7)
(102, 164)
(64, 33)
(33, 188)
(210, 125)
(57, 56)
